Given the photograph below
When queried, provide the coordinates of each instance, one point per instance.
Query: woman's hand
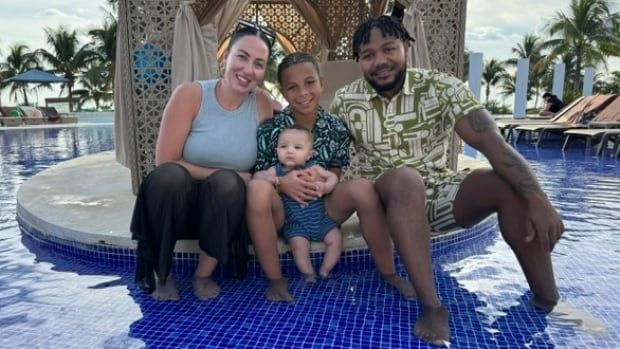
(299, 187)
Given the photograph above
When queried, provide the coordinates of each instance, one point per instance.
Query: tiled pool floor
(47, 301)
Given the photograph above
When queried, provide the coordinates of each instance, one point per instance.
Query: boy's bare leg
(265, 215)
(402, 193)
(360, 195)
(333, 249)
(300, 247)
(167, 291)
(204, 287)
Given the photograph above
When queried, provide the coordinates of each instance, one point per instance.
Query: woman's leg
(300, 247)
(222, 214)
(265, 216)
(333, 249)
(161, 215)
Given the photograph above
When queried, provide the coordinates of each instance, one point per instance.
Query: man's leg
(360, 195)
(265, 215)
(403, 195)
(484, 192)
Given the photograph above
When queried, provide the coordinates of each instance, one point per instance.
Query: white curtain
(412, 20)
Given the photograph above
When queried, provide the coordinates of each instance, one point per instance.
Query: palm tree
(19, 60)
(531, 47)
(104, 42)
(587, 32)
(492, 73)
(66, 57)
(96, 88)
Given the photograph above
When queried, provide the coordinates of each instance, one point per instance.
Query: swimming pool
(47, 301)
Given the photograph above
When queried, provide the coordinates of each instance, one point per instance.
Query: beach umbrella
(37, 76)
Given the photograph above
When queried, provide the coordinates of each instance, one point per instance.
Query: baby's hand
(311, 175)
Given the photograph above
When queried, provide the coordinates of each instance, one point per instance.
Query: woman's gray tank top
(220, 138)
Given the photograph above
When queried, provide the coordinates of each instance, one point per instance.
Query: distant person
(205, 150)
(552, 105)
(305, 222)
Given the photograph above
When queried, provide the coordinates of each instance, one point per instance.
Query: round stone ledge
(87, 202)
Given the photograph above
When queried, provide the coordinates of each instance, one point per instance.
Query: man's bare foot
(403, 286)
(543, 304)
(433, 326)
(205, 288)
(167, 291)
(278, 291)
(309, 278)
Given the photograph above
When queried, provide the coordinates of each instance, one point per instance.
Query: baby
(305, 223)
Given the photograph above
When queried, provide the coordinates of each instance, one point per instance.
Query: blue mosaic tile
(54, 296)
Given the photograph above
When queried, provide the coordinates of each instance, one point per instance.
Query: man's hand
(297, 185)
(543, 222)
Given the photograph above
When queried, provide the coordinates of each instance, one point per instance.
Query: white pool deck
(89, 200)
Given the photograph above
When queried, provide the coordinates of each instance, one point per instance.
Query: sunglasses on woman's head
(267, 32)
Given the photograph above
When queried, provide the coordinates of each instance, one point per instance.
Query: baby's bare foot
(433, 326)
(205, 288)
(403, 286)
(278, 291)
(309, 278)
(167, 291)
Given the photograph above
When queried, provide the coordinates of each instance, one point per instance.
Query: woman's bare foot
(278, 291)
(433, 326)
(167, 291)
(205, 288)
(403, 286)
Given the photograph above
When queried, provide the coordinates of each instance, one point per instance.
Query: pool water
(51, 301)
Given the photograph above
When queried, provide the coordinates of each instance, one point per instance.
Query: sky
(492, 27)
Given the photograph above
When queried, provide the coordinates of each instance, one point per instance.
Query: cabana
(161, 43)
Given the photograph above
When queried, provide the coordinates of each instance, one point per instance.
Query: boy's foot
(324, 274)
(205, 288)
(403, 286)
(278, 291)
(309, 278)
(167, 291)
(433, 326)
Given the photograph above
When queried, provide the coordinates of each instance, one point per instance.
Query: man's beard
(399, 79)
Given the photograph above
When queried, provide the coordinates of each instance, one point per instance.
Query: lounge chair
(11, 116)
(603, 134)
(508, 125)
(51, 115)
(337, 74)
(574, 118)
(32, 116)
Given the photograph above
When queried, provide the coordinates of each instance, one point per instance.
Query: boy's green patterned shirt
(412, 129)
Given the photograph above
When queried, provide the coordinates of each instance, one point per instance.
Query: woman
(552, 105)
(205, 149)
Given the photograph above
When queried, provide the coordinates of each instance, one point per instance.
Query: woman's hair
(297, 58)
(388, 27)
(251, 29)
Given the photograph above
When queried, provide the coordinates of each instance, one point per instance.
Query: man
(401, 120)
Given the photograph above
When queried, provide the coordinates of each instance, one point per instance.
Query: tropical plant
(492, 73)
(497, 108)
(95, 83)
(531, 48)
(587, 31)
(104, 43)
(19, 60)
(65, 57)
(609, 85)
